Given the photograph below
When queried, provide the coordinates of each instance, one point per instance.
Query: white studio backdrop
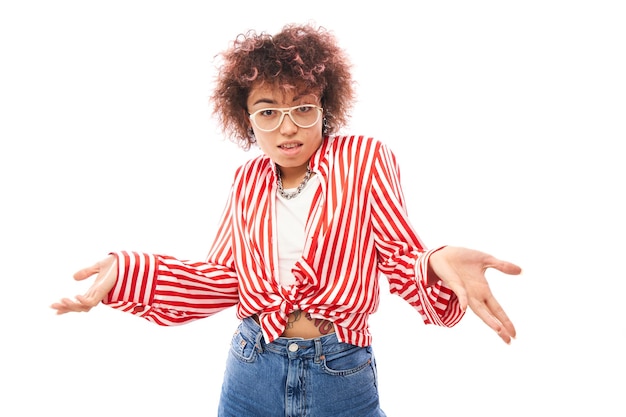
(508, 122)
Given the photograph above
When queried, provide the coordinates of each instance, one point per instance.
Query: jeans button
(293, 347)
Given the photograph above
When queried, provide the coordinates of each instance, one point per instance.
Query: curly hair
(299, 55)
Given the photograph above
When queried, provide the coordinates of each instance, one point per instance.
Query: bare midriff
(300, 324)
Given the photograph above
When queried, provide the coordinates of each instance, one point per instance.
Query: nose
(287, 126)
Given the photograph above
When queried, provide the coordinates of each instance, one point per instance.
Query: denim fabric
(294, 377)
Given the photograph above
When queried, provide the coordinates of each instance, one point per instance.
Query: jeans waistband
(293, 346)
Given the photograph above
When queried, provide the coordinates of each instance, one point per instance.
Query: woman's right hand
(105, 280)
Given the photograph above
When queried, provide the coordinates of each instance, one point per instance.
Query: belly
(300, 324)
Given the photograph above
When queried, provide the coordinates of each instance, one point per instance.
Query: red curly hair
(298, 56)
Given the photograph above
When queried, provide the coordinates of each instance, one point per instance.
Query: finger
(67, 305)
(504, 266)
(104, 264)
(498, 312)
(483, 312)
(89, 301)
(58, 307)
(87, 272)
(76, 306)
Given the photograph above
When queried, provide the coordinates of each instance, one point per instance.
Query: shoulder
(353, 143)
(256, 164)
(254, 168)
(352, 140)
(361, 147)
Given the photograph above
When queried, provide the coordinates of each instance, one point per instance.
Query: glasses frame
(286, 111)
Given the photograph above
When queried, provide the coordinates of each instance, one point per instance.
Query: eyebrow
(271, 101)
(264, 100)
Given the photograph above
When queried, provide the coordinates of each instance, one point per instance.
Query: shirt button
(293, 347)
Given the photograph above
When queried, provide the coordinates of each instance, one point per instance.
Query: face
(289, 146)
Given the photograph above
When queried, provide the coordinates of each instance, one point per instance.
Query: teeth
(289, 145)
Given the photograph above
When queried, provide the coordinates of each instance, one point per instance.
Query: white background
(508, 119)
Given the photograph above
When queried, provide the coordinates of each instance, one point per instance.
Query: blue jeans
(294, 377)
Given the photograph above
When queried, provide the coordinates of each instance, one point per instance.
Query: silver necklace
(293, 194)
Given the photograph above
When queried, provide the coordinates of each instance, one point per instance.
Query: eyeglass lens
(303, 116)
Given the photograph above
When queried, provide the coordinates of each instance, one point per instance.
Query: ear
(246, 117)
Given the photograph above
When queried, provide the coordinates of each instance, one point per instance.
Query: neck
(293, 176)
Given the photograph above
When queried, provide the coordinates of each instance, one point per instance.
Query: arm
(447, 280)
(168, 291)
(403, 258)
(160, 288)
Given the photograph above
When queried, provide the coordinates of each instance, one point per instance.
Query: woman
(308, 227)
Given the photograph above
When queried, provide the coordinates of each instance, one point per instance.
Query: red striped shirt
(357, 228)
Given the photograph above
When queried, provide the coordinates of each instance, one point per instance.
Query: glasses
(305, 115)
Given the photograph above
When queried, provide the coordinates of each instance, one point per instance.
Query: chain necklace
(293, 194)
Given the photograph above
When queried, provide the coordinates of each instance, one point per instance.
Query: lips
(290, 145)
(290, 149)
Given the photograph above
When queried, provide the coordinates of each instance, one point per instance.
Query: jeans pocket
(348, 362)
(242, 348)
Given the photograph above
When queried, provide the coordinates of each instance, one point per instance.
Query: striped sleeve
(168, 291)
(403, 256)
(437, 303)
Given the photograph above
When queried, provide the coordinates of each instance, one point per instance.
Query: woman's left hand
(463, 271)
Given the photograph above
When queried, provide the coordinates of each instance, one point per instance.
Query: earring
(325, 126)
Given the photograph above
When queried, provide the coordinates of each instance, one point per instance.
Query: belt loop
(319, 351)
(258, 342)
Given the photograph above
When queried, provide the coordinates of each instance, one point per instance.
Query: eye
(305, 109)
(267, 113)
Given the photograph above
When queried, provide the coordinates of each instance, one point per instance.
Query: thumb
(107, 275)
(505, 267)
(99, 267)
(87, 272)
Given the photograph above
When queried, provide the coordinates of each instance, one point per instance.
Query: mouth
(289, 145)
(290, 149)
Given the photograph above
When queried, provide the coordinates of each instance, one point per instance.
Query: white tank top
(291, 216)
